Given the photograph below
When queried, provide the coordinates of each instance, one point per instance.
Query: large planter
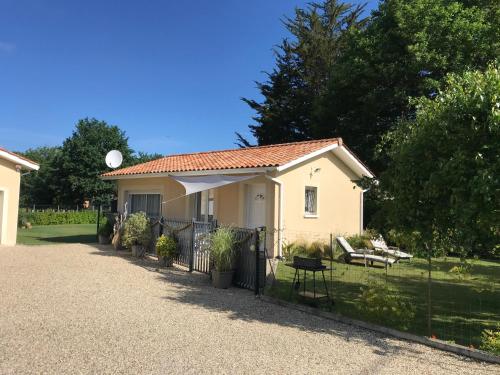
(222, 280)
(104, 240)
(165, 261)
(137, 250)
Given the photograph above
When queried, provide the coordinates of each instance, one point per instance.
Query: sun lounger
(364, 254)
(380, 245)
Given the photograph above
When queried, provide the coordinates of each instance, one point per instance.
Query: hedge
(58, 217)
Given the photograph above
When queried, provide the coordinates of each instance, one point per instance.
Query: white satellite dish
(114, 159)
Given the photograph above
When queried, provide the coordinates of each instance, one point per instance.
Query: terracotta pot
(222, 280)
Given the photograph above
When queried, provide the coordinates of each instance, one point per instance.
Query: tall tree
(41, 187)
(303, 65)
(343, 76)
(405, 51)
(82, 159)
(444, 176)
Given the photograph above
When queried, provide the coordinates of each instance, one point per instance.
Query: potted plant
(221, 251)
(166, 250)
(137, 233)
(104, 233)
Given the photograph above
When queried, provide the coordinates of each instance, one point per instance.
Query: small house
(11, 167)
(301, 190)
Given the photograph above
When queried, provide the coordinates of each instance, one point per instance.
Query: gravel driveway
(82, 309)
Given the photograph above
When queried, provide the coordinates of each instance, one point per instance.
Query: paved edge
(434, 343)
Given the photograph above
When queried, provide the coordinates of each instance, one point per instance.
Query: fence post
(257, 260)
(191, 249)
(98, 219)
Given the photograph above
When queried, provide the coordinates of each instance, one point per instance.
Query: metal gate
(193, 239)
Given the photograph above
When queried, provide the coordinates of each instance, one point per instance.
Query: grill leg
(326, 288)
(293, 283)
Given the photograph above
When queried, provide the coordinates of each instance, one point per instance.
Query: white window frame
(309, 214)
(142, 192)
(209, 203)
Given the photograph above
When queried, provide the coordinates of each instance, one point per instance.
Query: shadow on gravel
(196, 289)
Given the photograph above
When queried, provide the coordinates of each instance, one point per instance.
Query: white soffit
(17, 160)
(352, 162)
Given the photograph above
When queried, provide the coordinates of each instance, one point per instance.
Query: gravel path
(82, 309)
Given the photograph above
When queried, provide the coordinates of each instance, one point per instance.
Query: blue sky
(170, 74)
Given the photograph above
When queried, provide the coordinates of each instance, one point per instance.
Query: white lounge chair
(365, 254)
(380, 245)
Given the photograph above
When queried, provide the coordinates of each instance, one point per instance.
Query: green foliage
(42, 186)
(137, 230)
(82, 159)
(490, 340)
(316, 250)
(70, 173)
(338, 75)
(463, 270)
(303, 66)
(166, 246)
(360, 241)
(385, 306)
(221, 248)
(444, 175)
(51, 217)
(105, 228)
(301, 248)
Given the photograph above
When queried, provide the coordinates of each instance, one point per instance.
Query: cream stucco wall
(9, 196)
(171, 190)
(339, 199)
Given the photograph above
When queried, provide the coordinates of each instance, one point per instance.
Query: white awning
(202, 183)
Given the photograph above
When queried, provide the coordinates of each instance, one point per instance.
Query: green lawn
(462, 308)
(51, 234)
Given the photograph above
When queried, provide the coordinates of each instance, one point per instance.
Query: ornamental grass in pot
(166, 250)
(137, 233)
(221, 251)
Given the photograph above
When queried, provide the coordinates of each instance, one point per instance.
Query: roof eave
(19, 161)
(189, 173)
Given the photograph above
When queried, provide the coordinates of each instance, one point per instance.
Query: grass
(56, 234)
(462, 307)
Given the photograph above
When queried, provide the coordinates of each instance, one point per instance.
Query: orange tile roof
(17, 155)
(251, 157)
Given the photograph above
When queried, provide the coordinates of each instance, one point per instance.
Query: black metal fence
(250, 260)
(193, 239)
(459, 302)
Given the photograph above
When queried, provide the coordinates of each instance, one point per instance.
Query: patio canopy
(201, 183)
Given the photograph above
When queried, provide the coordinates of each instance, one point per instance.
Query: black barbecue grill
(309, 265)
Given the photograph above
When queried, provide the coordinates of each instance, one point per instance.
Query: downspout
(362, 216)
(280, 213)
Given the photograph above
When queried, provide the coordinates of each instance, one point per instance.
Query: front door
(255, 205)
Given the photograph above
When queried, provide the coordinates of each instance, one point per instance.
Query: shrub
(360, 241)
(405, 241)
(315, 250)
(166, 246)
(221, 248)
(137, 230)
(386, 307)
(51, 217)
(106, 229)
(490, 340)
